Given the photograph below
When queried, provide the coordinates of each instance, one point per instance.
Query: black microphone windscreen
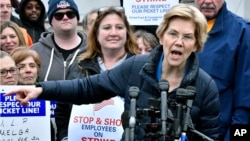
(191, 91)
(133, 91)
(191, 88)
(163, 85)
(125, 119)
(181, 92)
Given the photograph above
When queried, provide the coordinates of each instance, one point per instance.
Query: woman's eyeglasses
(117, 8)
(12, 71)
(59, 15)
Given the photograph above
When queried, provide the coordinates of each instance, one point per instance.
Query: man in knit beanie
(60, 48)
(55, 5)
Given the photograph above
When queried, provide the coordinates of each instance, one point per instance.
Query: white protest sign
(23, 123)
(95, 122)
(147, 12)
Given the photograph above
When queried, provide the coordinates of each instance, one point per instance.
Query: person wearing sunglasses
(32, 14)
(8, 69)
(110, 42)
(59, 49)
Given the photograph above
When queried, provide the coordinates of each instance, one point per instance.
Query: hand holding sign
(25, 94)
(20, 122)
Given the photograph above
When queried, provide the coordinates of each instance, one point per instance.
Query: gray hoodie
(53, 66)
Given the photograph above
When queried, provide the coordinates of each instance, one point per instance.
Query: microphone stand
(126, 134)
(133, 93)
(178, 127)
(204, 137)
(189, 95)
(180, 95)
(125, 124)
(164, 86)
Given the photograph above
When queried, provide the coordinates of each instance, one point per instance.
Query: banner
(23, 123)
(96, 122)
(147, 12)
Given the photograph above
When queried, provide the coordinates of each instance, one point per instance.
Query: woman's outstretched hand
(25, 94)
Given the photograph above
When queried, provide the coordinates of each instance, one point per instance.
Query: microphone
(189, 95)
(125, 119)
(133, 93)
(191, 91)
(180, 94)
(125, 124)
(164, 86)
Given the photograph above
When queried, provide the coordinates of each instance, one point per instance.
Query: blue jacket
(225, 59)
(140, 71)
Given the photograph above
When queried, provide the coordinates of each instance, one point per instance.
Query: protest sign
(100, 121)
(23, 123)
(147, 12)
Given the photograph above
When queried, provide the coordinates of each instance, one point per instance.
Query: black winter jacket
(140, 71)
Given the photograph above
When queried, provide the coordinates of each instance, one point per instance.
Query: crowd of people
(203, 45)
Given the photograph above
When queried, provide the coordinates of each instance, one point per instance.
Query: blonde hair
(188, 12)
(21, 53)
(16, 28)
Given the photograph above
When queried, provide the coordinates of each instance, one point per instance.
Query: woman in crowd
(8, 69)
(28, 63)
(11, 36)
(110, 42)
(182, 33)
(6, 15)
(146, 41)
(89, 20)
